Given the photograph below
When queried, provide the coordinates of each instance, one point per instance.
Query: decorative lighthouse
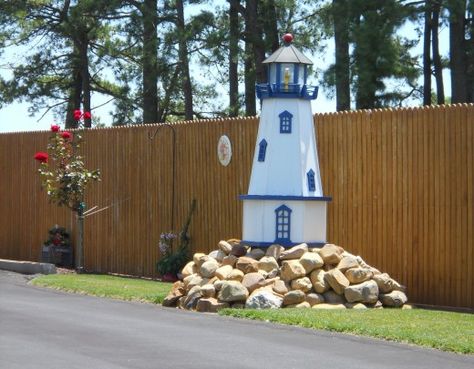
(285, 203)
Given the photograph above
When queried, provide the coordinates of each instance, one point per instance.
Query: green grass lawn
(446, 331)
(107, 286)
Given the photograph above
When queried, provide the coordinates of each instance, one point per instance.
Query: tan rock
(318, 280)
(347, 262)
(358, 275)
(280, 287)
(208, 268)
(355, 305)
(393, 299)
(367, 292)
(193, 280)
(208, 290)
(233, 241)
(301, 305)
(337, 281)
(267, 263)
(377, 305)
(225, 246)
(274, 273)
(218, 255)
(252, 281)
(407, 307)
(177, 291)
(256, 254)
(363, 264)
(230, 260)
(331, 254)
(293, 297)
(314, 299)
(274, 251)
(291, 269)
(295, 252)
(218, 285)
(199, 258)
(232, 291)
(303, 284)
(332, 297)
(235, 275)
(247, 265)
(224, 271)
(210, 305)
(385, 283)
(189, 269)
(194, 294)
(329, 306)
(311, 261)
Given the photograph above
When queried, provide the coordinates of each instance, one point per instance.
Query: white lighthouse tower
(285, 203)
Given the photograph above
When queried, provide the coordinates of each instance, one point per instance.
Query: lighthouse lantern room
(285, 203)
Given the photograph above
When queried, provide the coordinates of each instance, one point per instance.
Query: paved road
(41, 328)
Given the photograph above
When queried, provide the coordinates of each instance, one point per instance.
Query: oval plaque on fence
(224, 150)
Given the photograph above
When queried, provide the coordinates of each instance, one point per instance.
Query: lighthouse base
(284, 221)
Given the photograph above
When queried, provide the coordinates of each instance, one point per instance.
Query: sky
(16, 118)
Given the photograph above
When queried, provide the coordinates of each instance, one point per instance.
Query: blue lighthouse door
(283, 223)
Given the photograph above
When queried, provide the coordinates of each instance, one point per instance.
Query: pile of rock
(300, 277)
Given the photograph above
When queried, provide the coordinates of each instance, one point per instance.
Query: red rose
(87, 115)
(66, 135)
(77, 114)
(55, 128)
(42, 157)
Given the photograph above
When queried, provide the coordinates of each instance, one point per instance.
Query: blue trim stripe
(278, 197)
(284, 244)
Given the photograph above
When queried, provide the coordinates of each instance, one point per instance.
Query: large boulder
(267, 263)
(385, 283)
(192, 297)
(332, 297)
(210, 305)
(280, 287)
(314, 298)
(235, 275)
(177, 291)
(218, 255)
(358, 275)
(311, 261)
(367, 292)
(275, 251)
(295, 252)
(199, 258)
(331, 254)
(225, 246)
(256, 254)
(209, 267)
(303, 284)
(238, 250)
(337, 280)
(252, 281)
(263, 299)
(230, 260)
(393, 299)
(347, 262)
(320, 285)
(208, 290)
(291, 269)
(247, 265)
(232, 291)
(224, 271)
(294, 297)
(189, 269)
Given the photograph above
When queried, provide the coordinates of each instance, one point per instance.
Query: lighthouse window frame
(283, 224)
(311, 181)
(286, 121)
(262, 150)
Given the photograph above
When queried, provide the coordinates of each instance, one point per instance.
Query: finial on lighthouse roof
(287, 38)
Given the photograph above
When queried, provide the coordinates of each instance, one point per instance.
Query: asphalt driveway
(42, 328)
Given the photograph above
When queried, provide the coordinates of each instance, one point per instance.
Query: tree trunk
(184, 62)
(74, 101)
(271, 25)
(438, 67)
(150, 61)
(457, 50)
(86, 82)
(341, 37)
(79, 257)
(233, 58)
(251, 34)
(427, 54)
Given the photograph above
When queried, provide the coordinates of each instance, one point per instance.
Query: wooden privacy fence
(401, 181)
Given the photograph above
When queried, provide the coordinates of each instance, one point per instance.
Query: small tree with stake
(65, 177)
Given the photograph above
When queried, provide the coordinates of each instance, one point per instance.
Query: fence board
(402, 183)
